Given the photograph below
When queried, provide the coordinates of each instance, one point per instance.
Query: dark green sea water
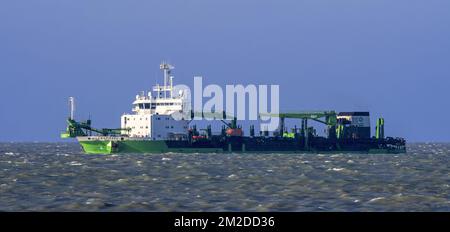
(59, 177)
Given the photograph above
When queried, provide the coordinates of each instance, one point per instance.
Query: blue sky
(389, 57)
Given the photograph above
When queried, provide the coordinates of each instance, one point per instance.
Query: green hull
(149, 146)
(137, 146)
(97, 147)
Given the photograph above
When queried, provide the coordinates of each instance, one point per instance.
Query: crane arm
(330, 116)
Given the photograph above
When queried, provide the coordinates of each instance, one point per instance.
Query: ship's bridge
(152, 111)
(149, 105)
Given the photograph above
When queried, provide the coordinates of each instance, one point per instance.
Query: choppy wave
(59, 177)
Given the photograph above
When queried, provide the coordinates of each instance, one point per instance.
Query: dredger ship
(152, 128)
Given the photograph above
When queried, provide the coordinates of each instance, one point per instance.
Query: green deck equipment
(75, 129)
(380, 129)
(328, 118)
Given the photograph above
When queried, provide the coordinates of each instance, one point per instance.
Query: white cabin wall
(163, 125)
(139, 124)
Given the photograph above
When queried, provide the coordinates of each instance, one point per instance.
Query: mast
(171, 86)
(168, 83)
(71, 107)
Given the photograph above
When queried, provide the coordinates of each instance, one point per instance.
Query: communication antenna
(171, 86)
(71, 107)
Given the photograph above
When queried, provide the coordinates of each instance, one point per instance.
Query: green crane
(84, 128)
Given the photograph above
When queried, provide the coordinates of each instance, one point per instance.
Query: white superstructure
(152, 112)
